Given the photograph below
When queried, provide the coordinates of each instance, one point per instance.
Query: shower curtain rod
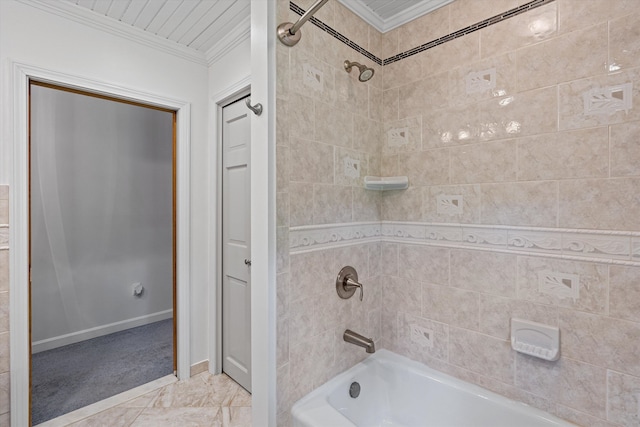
(289, 34)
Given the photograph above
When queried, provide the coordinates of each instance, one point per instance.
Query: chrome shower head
(365, 72)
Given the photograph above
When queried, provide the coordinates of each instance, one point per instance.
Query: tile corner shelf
(386, 183)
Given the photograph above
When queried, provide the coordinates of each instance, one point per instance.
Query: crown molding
(401, 18)
(91, 19)
(230, 41)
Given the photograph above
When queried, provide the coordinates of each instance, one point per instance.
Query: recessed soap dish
(535, 339)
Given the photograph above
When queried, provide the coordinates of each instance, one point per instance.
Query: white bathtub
(396, 391)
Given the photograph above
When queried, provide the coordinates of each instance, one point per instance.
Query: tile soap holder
(535, 339)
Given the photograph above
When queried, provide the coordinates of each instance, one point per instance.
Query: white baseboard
(98, 331)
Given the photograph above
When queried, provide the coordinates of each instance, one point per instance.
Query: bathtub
(396, 391)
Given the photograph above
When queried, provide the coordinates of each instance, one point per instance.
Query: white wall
(37, 38)
(101, 216)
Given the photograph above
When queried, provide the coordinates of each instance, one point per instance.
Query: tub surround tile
(451, 204)
(526, 204)
(580, 418)
(485, 162)
(4, 270)
(336, 128)
(575, 384)
(569, 57)
(431, 93)
(402, 136)
(622, 401)
(624, 292)
(601, 341)
(425, 28)
(332, 204)
(606, 204)
(425, 167)
(570, 284)
(423, 263)
(449, 55)
(525, 29)
(405, 205)
(311, 162)
(438, 300)
(496, 314)
(484, 272)
(419, 337)
(451, 126)
(310, 359)
(564, 155)
(491, 357)
(409, 70)
(624, 41)
(367, 205)
(5, 392)
(576, 14)
(483, 80)
(467, 12)
(301, 117)
(625, 149)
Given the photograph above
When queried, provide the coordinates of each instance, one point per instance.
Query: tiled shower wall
(522, 144)
(329, 129)
(4, 305)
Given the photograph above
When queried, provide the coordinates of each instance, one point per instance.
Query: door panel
(236, 248)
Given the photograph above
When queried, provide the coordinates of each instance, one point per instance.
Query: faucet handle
(347, 282)
(350, 283)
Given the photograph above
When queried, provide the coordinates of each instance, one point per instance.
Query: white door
(236, 249)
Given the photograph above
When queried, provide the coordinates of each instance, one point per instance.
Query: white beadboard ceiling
(386, 15)
(188, 27)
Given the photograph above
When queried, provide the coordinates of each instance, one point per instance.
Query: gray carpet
(70, 377)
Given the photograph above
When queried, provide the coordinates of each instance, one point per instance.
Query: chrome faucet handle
(350, 283)
(347, 283)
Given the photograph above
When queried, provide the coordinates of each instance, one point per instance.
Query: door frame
(21, 74)
(237, 91)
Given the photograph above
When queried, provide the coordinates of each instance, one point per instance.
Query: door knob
(247, 262)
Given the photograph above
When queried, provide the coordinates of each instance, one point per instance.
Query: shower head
(365, 72)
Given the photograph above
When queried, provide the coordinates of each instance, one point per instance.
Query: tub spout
(357, 339)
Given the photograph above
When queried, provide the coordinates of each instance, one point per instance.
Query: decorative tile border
(460, 33)
(602, 246)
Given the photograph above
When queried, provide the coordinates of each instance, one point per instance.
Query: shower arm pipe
(289, 34)
(305, 17)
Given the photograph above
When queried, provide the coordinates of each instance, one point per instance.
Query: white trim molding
(602, 246)
(17, 114)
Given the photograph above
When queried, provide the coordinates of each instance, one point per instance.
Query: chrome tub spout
(357, 339)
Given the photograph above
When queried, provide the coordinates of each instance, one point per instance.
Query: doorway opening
(102, 246)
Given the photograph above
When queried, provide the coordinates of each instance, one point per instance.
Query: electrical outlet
(138, 289)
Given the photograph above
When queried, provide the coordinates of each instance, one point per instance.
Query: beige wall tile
(351, 26)
(423, 263)
(5, 391)
(525, 29)
(496, 313)
(4, 270)
(282, 122)
(351, 167)
(470, 204)
(593, 283)
(575, 384)
(310, 359)
(402, 205)
(4, 192)
(401, 296)
(283, 295)
(610, 204)
(367, 205)
(351, 94)
(389, 265)
(438, 300)
(484, 162)
(425, 167)
(4, 352)
(336, 126)
(622, 398)
(467, 12)
(624, 41)
(375, 42)
(424, 29)
(332, 204)
(282, 209)
(419, 337)
(624, 292)
(579, 418)
(282, 249)
(563, 155)
(482, 354)
(325, 13)
(625, 149)
(282, 72)
(450, 126)
(390, 104)
(390, 43)
(485, 272)
(313, 271)
(452, 54)
(525, 204)
(4, 312)
(577, 14)
(600, 341)
(431, 93)
(389, 166)
(303, 63)
(571, 101)
(311, 162)
(571, 56)
(376, 102)
(301, 117)
(504, 84)
(332, 51)
(367, 135)
(408, 70)
(513, 116)
(303, 321)
(408, 129)
(300, 204)
(282, 168)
